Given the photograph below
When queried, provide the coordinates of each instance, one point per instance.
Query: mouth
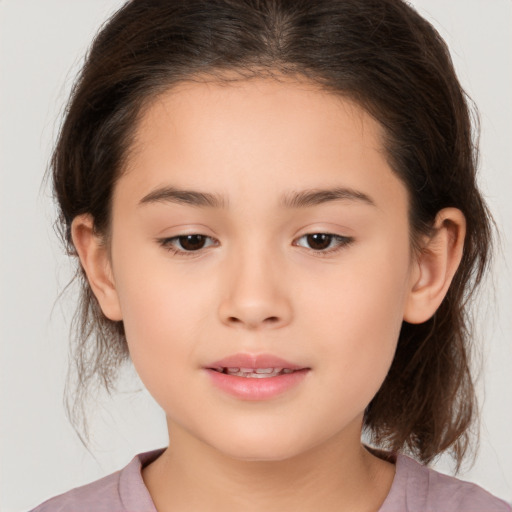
(254, 366)
(253, 373)
(256, 377)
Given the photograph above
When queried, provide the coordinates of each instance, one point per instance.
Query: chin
(262, 446)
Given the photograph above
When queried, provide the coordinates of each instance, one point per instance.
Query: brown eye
(192, 242)
(319, 241)
(323, 243)
(187, 244)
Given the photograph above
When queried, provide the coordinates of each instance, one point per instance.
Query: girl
(274, 207)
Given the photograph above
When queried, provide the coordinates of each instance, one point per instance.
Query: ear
(436, 265)
(95, 260)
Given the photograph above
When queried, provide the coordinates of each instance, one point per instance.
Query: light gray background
(41, 45)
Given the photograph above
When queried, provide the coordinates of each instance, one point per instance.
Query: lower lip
(247, 388)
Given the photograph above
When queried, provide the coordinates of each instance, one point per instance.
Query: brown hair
(380, 53)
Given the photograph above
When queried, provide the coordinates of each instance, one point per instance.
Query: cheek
(358, 316)
(160, 334)
(162, 315)
(154, 292)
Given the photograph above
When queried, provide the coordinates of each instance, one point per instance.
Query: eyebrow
(188, 197)
(292, 200)
(305, 198)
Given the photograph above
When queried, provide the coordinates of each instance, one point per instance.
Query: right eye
(184, 244)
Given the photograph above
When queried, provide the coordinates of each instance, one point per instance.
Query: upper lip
(254, 361)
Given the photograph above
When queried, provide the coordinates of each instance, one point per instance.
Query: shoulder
(121, 491)
(99, 496)
(417, 488)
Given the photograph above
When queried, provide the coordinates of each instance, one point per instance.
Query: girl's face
(258, 225)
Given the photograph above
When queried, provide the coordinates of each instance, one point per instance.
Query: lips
(255, 377)
(254, 373)
(254, 362)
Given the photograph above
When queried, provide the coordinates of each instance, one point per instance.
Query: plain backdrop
(41, 47)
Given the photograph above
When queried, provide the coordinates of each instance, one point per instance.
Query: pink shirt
(415, 488)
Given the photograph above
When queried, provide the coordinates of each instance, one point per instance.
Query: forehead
(244, 135)
(247, 104)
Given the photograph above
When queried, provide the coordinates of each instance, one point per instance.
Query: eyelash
(340, 242)
(169, 244)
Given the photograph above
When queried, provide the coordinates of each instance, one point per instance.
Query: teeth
(268, 370)
(256, 373)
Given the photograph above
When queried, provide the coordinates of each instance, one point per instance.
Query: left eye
(322, 241)
(188, 243)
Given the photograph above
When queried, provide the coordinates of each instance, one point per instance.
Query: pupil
(319, 241)
(192, 242)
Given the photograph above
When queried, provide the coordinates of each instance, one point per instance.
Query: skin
(258, 287)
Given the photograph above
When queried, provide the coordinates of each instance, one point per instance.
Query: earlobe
(436, 265)
(95, 261)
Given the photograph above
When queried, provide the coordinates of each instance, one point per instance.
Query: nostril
(271, 320)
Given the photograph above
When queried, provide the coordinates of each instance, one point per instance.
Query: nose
(256, 295)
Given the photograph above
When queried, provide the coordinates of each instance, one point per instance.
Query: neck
(336, 475)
